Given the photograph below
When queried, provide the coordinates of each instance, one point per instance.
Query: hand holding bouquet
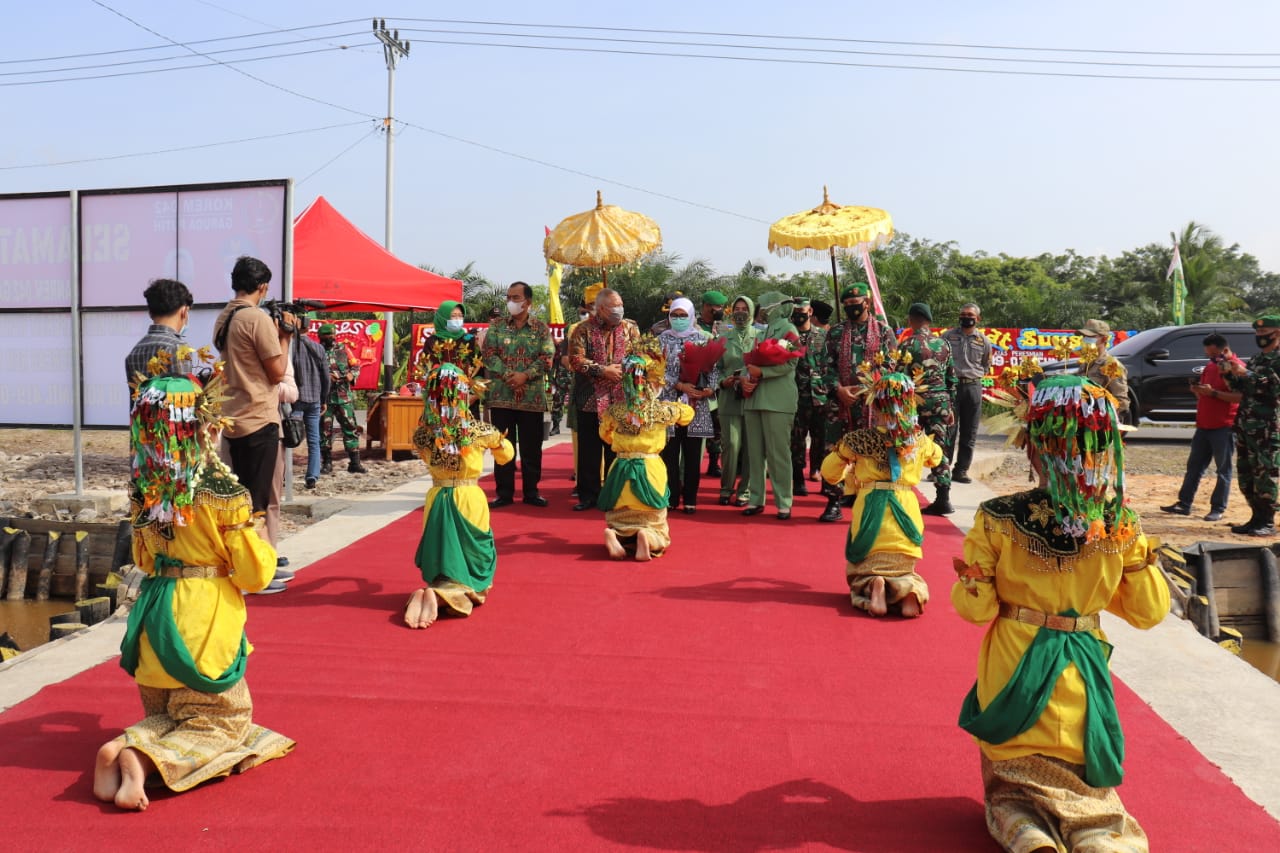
(698, 359)
(774, 351)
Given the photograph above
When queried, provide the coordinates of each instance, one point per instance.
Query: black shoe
(784, 515)
(500, 502)
(311, 482)
(1180, 508)
(535, 500)
(281, 562)
(1260, 530)
(832, 512)
(326, 467)
(714, 471)
(753, 510)
(354, 467)
(584, 506)
(1244, 528)
(740, 501)
(690, 509)
(799, 488)
(1214, 516)
(555, 430)
(725, 501)
(961, 477)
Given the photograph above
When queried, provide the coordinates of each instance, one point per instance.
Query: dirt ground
(1153, 475)
(35, 463)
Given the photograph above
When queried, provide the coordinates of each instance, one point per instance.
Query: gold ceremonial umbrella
(829, 228)
(601, 237)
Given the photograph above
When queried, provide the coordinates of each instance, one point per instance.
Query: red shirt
(1212, 413)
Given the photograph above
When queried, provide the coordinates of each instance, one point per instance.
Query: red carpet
(723, 698)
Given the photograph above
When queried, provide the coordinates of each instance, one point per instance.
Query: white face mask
(514, 308)
(617, 313)
(454, 324)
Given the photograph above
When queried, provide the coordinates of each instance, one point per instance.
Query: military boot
(354, 466)
(326, 460)
(1253, 520)
(713, 464)
(941, 503)
(832, 512)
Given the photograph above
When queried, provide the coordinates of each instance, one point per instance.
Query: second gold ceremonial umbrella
(602, 237)
(829, 228)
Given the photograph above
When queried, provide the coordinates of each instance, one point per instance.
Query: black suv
(1161, 364)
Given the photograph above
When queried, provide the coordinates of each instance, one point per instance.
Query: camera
(297, 308)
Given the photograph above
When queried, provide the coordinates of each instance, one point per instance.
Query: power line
(211, 53)
(181, 148)
(370, 132)
(844, 51)
(845, 64)
(831, 39)
(229, 66)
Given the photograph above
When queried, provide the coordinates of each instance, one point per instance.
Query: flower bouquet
(698, 359)
(774, 351)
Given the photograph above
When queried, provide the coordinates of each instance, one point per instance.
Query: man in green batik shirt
(1257, 427)
(341, 374)
(517, 356)
(809, 429)
(936, 410)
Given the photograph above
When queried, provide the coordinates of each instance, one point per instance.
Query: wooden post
(63, 618)
(93, 610)
(65, 629)
(18, 556)
(123, 554)
(1270, 594)
(82, 564)
(7, 535)
(110, 593)
(1212, 625)
(47, 566)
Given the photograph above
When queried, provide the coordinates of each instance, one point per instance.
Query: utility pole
(392, 50)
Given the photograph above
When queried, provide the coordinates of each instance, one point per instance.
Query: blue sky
(1003, 163)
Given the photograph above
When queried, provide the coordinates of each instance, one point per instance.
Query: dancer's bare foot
(614, 547)
(878, 606)
(642, 548)
(134, 767)
(106, 771)
(911, 606)
(413, 610)
(430, 608)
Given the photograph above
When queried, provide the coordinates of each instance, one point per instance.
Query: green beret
(714, 297)
(919, 309)
(858, 288)
(326, 329)
(800, 302)
(1267, 321)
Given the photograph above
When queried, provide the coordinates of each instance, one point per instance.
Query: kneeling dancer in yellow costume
(1039, 566)
(456, 553)
(185, 644)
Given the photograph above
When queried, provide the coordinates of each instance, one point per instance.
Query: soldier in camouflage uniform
(936, 410)
(1257, 427)
(341, 375)
(811, 416)
(859, 336)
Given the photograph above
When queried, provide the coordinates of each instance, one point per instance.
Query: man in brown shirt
(250, 344)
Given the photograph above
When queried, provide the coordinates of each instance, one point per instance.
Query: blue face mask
(454, 324)
(681, 324)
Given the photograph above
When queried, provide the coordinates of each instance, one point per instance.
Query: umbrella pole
(835, 284)
(604, 276)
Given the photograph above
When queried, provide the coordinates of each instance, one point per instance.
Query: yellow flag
(555, 314)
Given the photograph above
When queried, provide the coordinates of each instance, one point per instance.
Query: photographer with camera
(1216, 406)
(253, 345)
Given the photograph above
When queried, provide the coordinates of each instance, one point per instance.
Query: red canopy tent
(336, 263)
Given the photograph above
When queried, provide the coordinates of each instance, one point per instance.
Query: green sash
(1017, 707)
(455, 548)
(153, 612)
(631, 471)
(857, 548)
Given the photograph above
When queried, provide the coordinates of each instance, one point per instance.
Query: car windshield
(1138, 342)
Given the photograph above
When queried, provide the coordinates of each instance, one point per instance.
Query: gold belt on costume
(636, 455)
(455, 482)
(1048, 620)
(187, 572)
(894, 487)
